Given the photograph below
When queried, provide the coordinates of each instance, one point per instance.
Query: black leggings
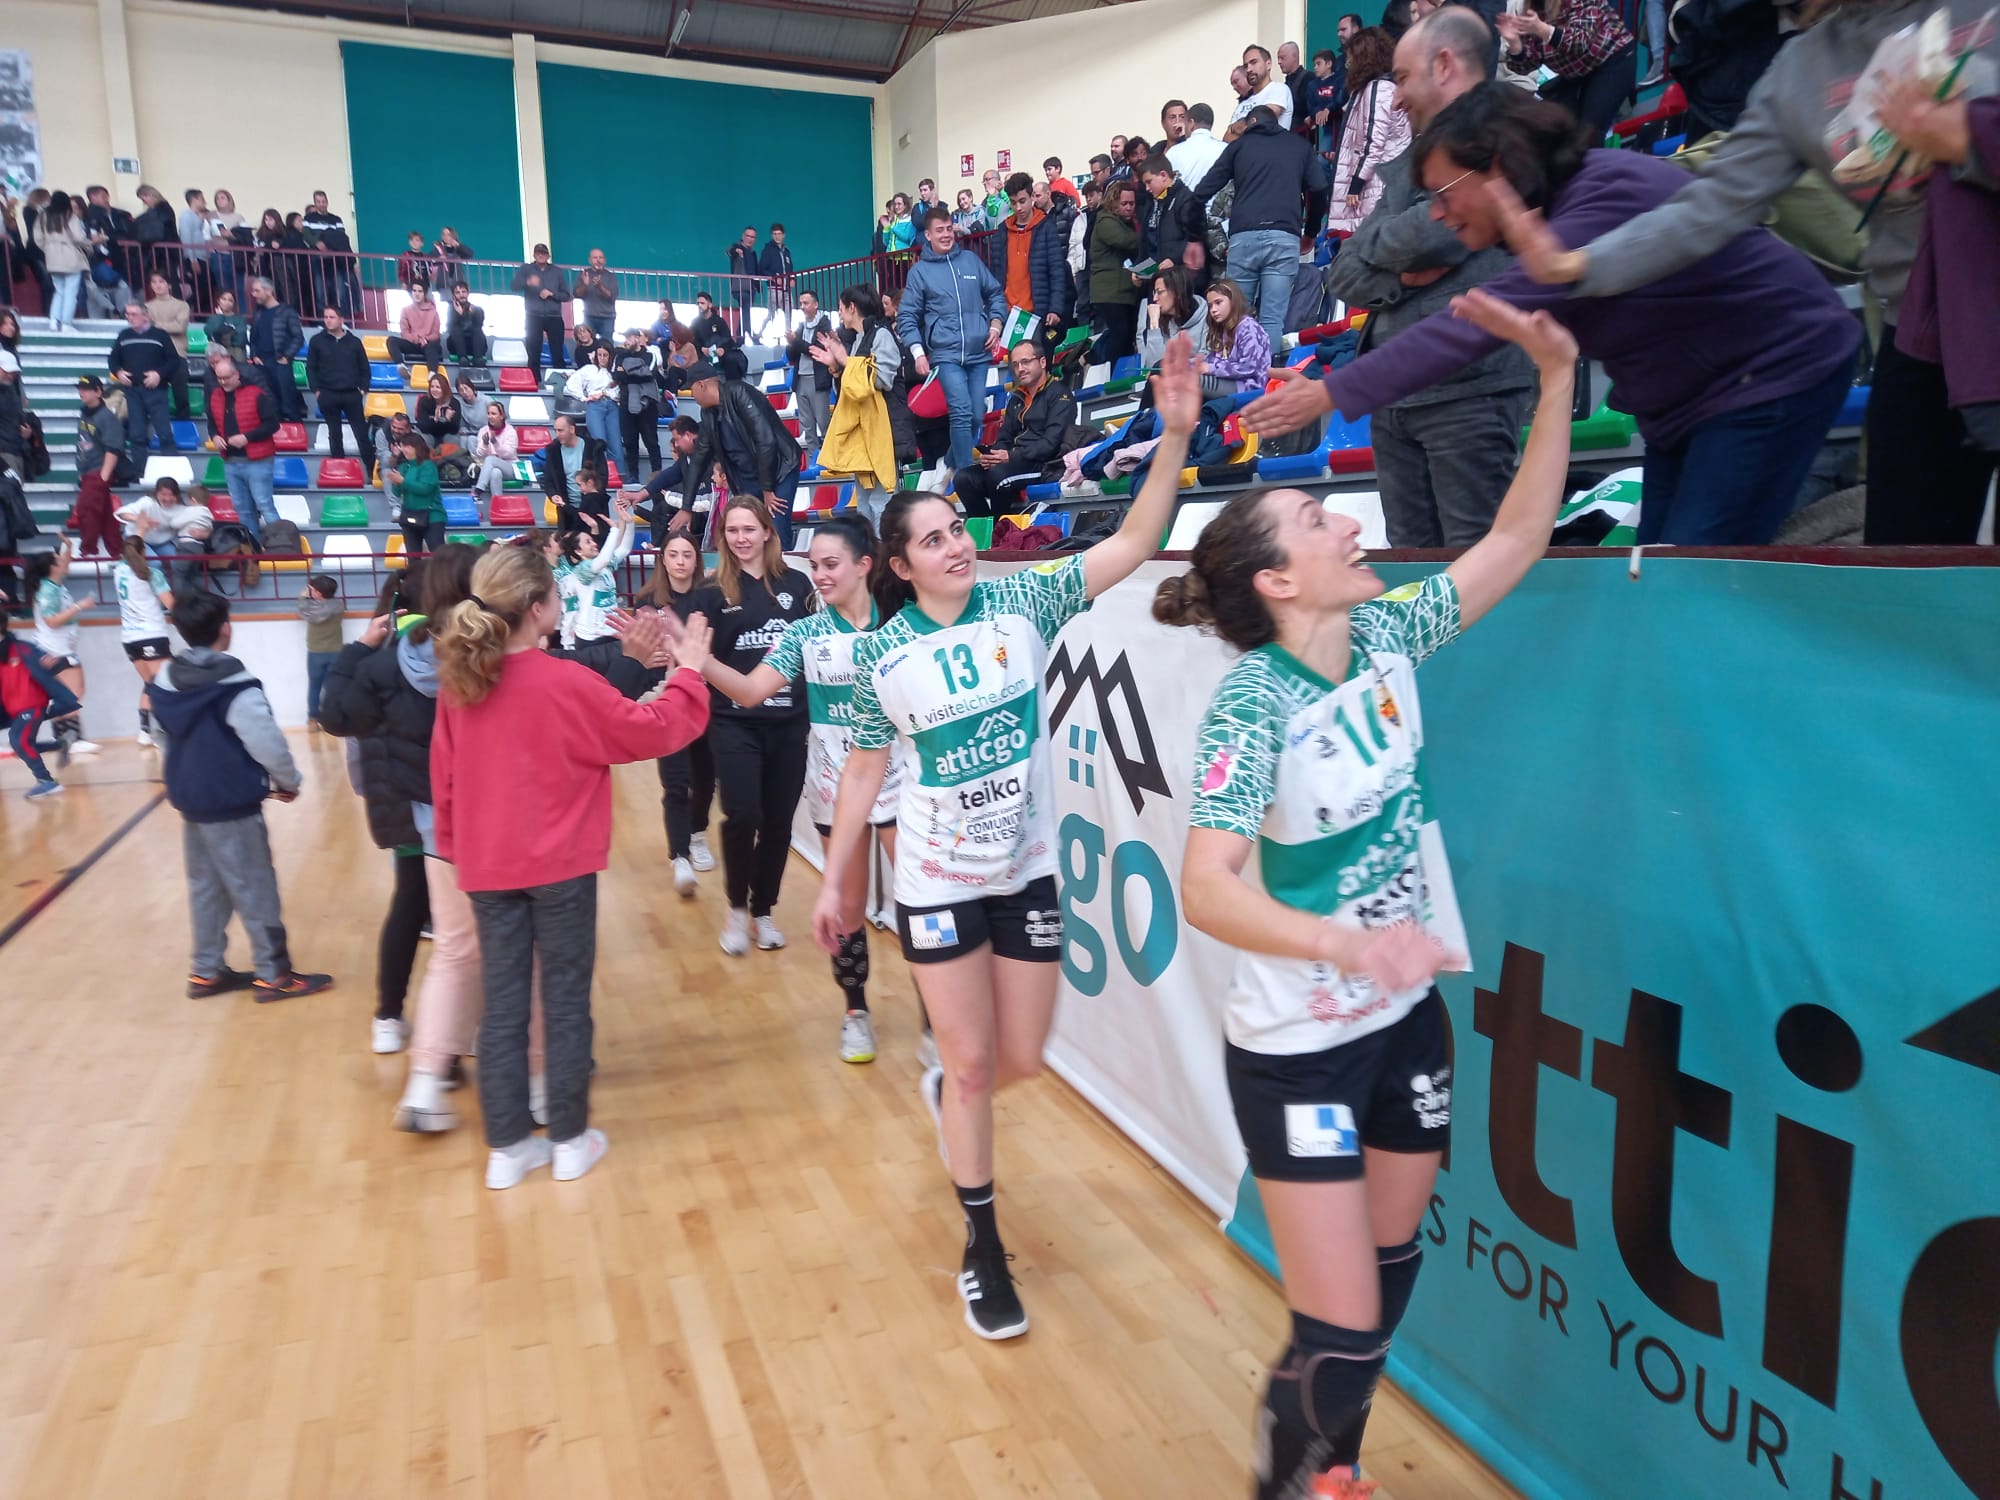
(1594, 98)
(687, 787)
(409, 914)
(423, 536)
(760, 769)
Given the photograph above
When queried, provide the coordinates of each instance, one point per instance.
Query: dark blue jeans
(318, 664)
(1735, 478)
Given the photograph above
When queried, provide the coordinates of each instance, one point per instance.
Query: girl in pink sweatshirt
(521, 772)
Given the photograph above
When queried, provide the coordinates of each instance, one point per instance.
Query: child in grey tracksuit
(224, 754)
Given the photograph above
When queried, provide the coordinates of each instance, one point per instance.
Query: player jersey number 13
(977, 806)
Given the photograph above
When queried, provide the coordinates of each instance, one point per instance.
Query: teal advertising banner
(1721, 1215)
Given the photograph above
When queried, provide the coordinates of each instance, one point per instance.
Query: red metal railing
(367, 287)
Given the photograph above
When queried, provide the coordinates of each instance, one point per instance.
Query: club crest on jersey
(825, 652)
(1385, 704)
(784, 598)
(1000, 655)
(1216, 777)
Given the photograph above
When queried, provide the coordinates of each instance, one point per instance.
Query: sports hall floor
(226, 1275)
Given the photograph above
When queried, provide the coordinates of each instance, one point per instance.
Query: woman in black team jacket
(760, 753)
(687, 777)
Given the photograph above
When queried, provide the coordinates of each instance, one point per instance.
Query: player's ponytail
(470, 638)
(1218, 593)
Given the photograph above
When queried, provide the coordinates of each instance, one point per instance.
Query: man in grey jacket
(1444, 456)
(939, 321)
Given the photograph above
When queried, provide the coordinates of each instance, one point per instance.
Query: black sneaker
(291, 985)
(992, 1307)
(229, 979)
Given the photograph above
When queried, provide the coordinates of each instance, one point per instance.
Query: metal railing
(371, 290)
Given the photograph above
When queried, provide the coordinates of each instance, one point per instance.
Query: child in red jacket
(521, 771)
(29, 693)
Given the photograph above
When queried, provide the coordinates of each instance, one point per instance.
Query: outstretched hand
(1550, 345)
(1401, 957)
(642, 636)
(1293, 404)
(696, 639)
(1177, 387)
(1534, 244)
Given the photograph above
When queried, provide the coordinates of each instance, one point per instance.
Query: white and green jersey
(1328, 779)
(51, 598)
(141, 616)
(977, 815)
(821, 646)
(589, 590)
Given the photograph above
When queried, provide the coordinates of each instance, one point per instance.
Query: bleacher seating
(343, 510)
(461, 510)
(288, 472)
(383, 404)
(512, 509)
(337, 472)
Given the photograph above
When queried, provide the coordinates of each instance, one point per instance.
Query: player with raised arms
(955, 672)
(1311, 755)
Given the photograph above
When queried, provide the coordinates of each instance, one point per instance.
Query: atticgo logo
(1121, 722)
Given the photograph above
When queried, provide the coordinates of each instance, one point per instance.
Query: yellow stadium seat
(549, 513)
(394, 558)
(300, 563)
(377, 345)
(384, 404)
(420, 377)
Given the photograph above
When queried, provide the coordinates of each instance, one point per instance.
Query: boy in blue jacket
(224, 754)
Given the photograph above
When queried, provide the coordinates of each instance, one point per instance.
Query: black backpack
(283, 537)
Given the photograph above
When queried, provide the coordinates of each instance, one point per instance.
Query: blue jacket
(224, 750)
(946, 305)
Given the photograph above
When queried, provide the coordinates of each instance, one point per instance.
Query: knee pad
(850, 964)
(1398, 1266)
(1316, 1404)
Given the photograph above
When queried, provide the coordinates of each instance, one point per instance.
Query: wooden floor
(226, 1275)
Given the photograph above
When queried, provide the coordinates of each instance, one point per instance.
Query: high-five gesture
(692, 649)
(1177, 398)
(1177, 387)
(1534, 244)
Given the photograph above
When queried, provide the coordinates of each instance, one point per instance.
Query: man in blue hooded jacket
(938, 320)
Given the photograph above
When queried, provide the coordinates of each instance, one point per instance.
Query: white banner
(1139, 1028)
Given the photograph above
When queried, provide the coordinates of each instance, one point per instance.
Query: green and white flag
(1614, 505)
(1020, 325)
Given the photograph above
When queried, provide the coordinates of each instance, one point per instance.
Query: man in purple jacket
(1734, 367)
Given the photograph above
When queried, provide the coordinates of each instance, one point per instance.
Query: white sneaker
(927, 1052)
(857, 1037)
(390, 1036)
(422, 1108)
(574, 1158)
(768, 936)
(736, 932)
(538, 1098)
(884, 920)
(931, 1086)
(684, 877)
(146, 741)
(84, 747)
(507, 1165)
(698, 854)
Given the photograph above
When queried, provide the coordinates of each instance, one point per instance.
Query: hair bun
(1183, 600)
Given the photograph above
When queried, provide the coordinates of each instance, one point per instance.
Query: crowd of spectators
(1211, 229)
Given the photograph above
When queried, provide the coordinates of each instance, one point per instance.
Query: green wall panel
(663, 173)
(402, 102)
(1323, 21)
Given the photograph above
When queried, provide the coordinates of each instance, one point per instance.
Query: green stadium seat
(343, 510)
(197, 341)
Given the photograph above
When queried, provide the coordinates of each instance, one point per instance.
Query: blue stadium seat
(385, 378)
(187, 434)
(1852, 411)
(1295, 466)
(1670, 145)
(1049, 490)
(461, 510)
(289, 473)
(1126, 368)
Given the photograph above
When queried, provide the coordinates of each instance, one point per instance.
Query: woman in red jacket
(521, 759)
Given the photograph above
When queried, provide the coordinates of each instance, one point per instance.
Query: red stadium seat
(290, 437)
(518, 378)
(990, 425)
(341, 473)
(222, 507)
(534, 439)
(512, 508)
(612, 478)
